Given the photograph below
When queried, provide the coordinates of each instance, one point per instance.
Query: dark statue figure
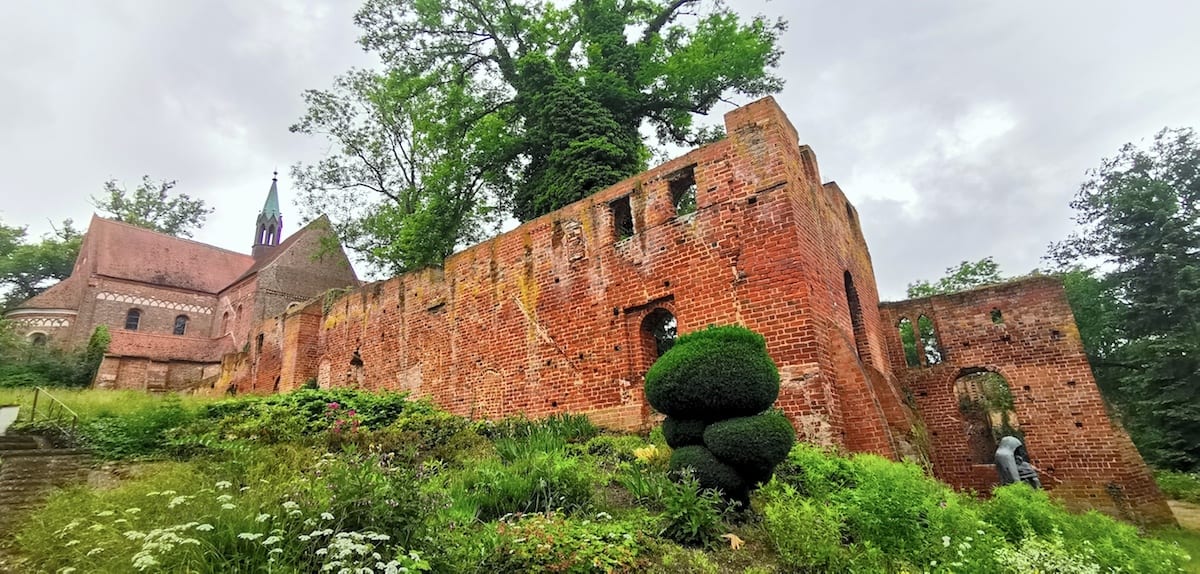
(1012, 462)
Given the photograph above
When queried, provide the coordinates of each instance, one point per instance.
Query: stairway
(29, 470)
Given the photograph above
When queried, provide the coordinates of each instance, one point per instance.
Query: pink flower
(334, 406)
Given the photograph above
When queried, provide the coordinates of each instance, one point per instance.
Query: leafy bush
(710, 472)
(753, 445)
(806, 533)
(612, 450)
(683, 432)
(1179, 485)
(647, 486)
(712, 374)
(135, 435)
(554, 543)
(691, 514)
(572, 428)
(534, 482)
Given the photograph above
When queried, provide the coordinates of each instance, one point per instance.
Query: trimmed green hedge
(713, 374)
(753, 445)
(711, 472)
(683, 432)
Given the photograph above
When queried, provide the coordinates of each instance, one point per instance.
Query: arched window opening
(988, 412)
(262, 234)
(271, 235)
(181, 323)
(658, 332)
(929, 341)
(132, 319)
(908, 340)
(258, 344)
(37, 339)
(856, 319)
(997, 317)
(224, 322)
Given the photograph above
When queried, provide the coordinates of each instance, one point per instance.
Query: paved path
(1186, 513)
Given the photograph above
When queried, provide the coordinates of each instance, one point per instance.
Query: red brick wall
(547, 318)
(1085, 457)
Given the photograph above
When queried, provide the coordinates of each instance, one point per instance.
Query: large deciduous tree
(523, 104)
(152, 206)
(28, 268)
(965, 275)
(1139, 212)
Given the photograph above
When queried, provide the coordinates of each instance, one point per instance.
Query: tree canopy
(29, 267)
(965, 275)
(487, 107)
(152, 206)
(1138, 213)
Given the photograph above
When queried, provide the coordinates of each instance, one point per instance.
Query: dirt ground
(1186, 513)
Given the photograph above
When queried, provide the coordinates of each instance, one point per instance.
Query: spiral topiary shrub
(753, 445)
(714, 374)
(714, 385)
(683, 432)
(711, 472)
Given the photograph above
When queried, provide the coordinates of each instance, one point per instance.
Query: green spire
(271, 207)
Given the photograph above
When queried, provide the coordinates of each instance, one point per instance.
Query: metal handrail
(54, 410)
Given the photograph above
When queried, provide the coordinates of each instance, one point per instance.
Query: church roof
(271, 206)
(320, 224)
(61, 295)
(123, 251)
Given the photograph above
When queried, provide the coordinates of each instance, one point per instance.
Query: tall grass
(95, 403)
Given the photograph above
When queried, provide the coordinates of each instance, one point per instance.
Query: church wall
(548, 317)
(236, 312)
(1084, 457)
(296, 274)
(107, 301)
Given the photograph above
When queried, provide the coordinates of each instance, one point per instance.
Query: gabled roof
(123, 251)
(62, 295)
(270, 254)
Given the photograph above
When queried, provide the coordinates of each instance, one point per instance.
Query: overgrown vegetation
(332, 480)
(26, 362)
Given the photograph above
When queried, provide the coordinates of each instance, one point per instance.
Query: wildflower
(133, 535)
(262, 517)
(95, 551)
(326, 516)
(105, 513)
(295, 513)
(96, 527)
(225, 498)
(71, 543)
(946, 541)
(271, 540)
(275, 551)
(244, 488)
(177, 501)
(168, 493)
(204, 527)
(224, 484)
(250, 535)
(290, 505)
(133, 510)
(143, 560)
(155, 493)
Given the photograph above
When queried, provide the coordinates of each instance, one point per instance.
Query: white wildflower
(225, 498)
(71, 543)
(290, 505)
(204, 527)
(105, 513)
(133, 535)
(262, 517)
(250, 536)
(95, 551)
(228, 506)
(326, 516)
(946, 541)
(133, 510)
(275, 551)
(177, 501)
(271, 540)
(224, 484)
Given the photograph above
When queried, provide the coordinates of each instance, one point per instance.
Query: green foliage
(534, 482)
(152, 207)
(715, 373)
(683, 432)
(571, 428)
(552, 542)
(648, 486)
(965, 275)
(691, 514)
(709, 471)
(524, 104)
(753, 445)
(136, 435)
(1136, 214)
(1179, 485)
(28, 268)
(826, 513)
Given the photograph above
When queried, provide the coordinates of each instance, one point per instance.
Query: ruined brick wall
(142, 374)
(1024, 331)
(549, 317)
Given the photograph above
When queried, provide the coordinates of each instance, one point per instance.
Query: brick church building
(566, 313)
(174, 307)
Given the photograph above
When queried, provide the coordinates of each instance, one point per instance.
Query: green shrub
(134, 435)
(647, 486)
(535, 482)
(572, 428)
(612, 450)
(691, 514)
(709, 472)
(683, 432)
(1179, 485)
(817, 473)
(806, 533)
(555, 543)
(753, 445)
(712, 374)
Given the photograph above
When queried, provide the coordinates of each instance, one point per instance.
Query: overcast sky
(959, 129)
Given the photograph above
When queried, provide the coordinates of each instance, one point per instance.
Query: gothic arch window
(133, 318)
(271, 235)
(988, 412)
(659, 330)
(224, 322)
(181, 323)
(930, 346)
(37, 339)
(908, 341)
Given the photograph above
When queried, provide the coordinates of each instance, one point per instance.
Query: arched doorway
(658, 332)
(985, 403)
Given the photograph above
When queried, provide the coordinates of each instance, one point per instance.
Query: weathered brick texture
(1085, 457)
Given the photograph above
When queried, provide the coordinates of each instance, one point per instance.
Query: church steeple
(269, 227)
